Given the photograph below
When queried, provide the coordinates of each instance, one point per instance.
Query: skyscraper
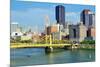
(87, 17)
(14, 27)
(60, 14)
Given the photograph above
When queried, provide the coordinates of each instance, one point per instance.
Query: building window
(74, 32)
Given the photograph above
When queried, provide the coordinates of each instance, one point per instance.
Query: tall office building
(88, 17)
(14, 27)
(60, 14)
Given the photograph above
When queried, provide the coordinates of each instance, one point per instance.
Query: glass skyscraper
(60, 14)
(87, 17)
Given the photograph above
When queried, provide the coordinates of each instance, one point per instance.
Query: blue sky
(32, 14)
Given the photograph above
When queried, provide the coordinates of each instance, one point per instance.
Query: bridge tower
(47, 23)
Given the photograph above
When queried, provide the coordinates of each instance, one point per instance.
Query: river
(37, 56)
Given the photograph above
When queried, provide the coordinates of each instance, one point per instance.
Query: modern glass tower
(60, 14)
(87, 17)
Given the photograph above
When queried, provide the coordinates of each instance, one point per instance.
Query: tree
(88, 42)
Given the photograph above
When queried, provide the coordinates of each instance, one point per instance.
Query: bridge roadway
(30, 45)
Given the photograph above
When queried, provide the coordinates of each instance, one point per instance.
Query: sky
(32, 14)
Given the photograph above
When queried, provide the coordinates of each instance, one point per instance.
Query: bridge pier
(49, 49)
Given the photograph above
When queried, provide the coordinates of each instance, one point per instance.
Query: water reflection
(34, 56)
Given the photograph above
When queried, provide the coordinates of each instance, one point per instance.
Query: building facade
(91, 33)
(13, 27)
(60, 14)
(88, 17)
(51, 29)
(77, 32)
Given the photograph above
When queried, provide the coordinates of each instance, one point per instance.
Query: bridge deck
(27, 45)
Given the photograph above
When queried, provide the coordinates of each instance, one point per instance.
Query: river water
(37, 56)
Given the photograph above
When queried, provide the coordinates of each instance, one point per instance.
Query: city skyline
(26, 13)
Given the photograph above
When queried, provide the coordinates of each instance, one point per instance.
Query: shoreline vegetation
(87, 44)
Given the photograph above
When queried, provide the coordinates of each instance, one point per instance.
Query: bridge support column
(48, 49)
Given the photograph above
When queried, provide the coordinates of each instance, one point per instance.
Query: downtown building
(80, 32)
(52, 29)
(84, 30)
(91, 33)
(77, 32)
(56, 31)
(15, 30)
(60, 15)
(13, 27)
(88, 18)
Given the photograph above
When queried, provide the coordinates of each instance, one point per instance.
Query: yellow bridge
(29, 45)
(47, 37)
